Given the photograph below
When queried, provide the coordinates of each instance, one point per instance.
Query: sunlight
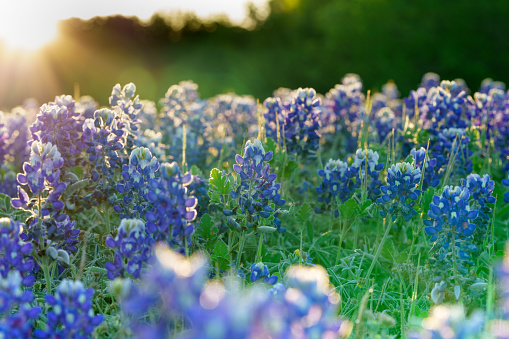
(26, 26)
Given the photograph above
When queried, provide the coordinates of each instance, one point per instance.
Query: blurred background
(46, 48)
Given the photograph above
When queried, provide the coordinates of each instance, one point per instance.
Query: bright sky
(29, 24)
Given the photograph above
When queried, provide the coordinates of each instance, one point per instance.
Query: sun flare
(26, 28)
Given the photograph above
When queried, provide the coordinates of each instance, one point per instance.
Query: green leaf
(304, 212)
(290, 167)
(207, 229)
(350, 209)
(195, 170)
(220, 255)
(427, 198)
(309, 229)
(220, 182)
(270, 145)
(366, 206)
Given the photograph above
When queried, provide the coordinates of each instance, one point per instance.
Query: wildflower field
(349, 214)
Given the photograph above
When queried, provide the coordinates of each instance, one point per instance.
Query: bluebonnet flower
(399, 196)
(274, 117)
(452, 143)
(385, 122)
(15, 253)
(336, 184)
(184, 110)
(135, 183)
(366, 171)
(444, 108)
(484, 111)
(127, 106)
(261, 271)
(416, 102)
(103, 138)
(19, 136)
(132, 249)
(450, 212)
(175, 286)
(488, 84)
(174, 209)
(258, 193)
(8, 182)
(86, 107)
(71, 315)
(345, 104)
(17, 316)
(302, 122)
(431, 175)
(153, 141)
(430, 80)
(450, 228)
(199, 189)
(42, 175)
(505, 182)
(57, 123)
(450, 322)
(481, 193)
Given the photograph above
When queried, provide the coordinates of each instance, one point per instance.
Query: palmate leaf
(220, 255)
(350, 209)
(304, 212)
(206, 228)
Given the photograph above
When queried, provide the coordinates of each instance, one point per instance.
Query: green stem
(47, 276)
(379, 249)
(259, 251)
(241, 248)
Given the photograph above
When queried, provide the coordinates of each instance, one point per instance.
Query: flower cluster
(444, 108)
(450, 228)
(127, 106)
(17, 317)
(400, 194)
(258, 193)
(184, 112)
(431, 178)
(15, 253)
(261, 271)
(450, 322)
(481, 193)
(135, 183)
(71, 315)
(48, 222)
(175, 286)
(345, 103)
(452, 144)
(384, 123)
(174, 209)
(103, 138)
(57, 123)
(199, 189)
(302, 122)
(133, 249)
(366, 171)
(336, 184)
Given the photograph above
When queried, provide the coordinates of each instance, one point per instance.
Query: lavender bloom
(431, 176)
(444, 108)
(274, 117)
(72, 315)
(174, 207)
(15, 253)
(18, 324)
(133, 249)
(261, 271)
(399, 196)
(385, 120)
